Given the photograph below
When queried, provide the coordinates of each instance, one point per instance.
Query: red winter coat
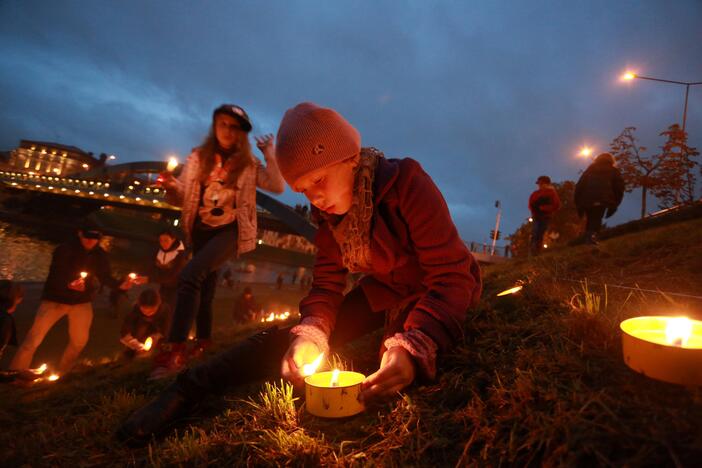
(544, 202)
(415, 252)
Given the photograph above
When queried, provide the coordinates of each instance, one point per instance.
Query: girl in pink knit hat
(382, 218)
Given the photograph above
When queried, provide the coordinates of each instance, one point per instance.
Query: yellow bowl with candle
(330, 396)
(664, 348)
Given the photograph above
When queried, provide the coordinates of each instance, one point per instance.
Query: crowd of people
(382, 222)
(387, 256)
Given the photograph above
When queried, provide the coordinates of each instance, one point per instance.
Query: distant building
(52, 158)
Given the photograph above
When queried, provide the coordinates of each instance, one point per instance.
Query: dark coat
(168, 265)
(67, 262)
(600, 185)
(416, 253)
(244, 309)
(140, 326)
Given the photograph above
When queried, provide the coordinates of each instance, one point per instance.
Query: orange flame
(678, 331)
(513, 290)
(335, 378)
(309, 369)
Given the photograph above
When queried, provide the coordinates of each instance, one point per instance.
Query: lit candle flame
(309, 369)
(678, 331)
(132, 276)
(83, 274)
(172, 164)
(148, 343)
(40, 370)
(271, 317)
(335, 378)
(513, 290)
(53, 377)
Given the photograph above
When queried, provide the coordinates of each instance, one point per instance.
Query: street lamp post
(630, 76)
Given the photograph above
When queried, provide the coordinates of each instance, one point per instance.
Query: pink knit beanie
(312, 137)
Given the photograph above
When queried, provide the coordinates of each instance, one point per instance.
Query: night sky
(487, 95)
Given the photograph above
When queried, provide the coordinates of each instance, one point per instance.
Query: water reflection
(23, 256)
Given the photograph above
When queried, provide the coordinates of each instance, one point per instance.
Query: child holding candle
(217, 192)
(148, 318)
(77, 269)
(384, 218)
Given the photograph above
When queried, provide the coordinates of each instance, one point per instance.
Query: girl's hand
(301, 351)
(77, 285)
(167, 180)
(266, 144)
(395, 373)
(126, 284)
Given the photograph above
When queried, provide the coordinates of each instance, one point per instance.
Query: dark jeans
(538, 229)
(594, 216)
(259, 357)
(197, 284)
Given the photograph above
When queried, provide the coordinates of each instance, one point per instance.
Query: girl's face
(227, 130)
(330, 188)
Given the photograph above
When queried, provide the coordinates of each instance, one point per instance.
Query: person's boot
(199, 347)
(156, 418)
(170, 360)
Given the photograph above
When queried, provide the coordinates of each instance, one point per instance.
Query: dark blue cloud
(486, 95)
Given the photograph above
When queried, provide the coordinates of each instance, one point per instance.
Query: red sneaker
(170, 360)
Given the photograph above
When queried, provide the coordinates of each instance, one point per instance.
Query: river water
(25, 255)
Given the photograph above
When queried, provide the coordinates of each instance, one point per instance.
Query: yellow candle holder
(338, 401)
(649, 349)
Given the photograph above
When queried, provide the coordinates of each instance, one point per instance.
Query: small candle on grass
(664, 348)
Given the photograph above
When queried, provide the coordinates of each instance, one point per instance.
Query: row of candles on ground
(665, 348)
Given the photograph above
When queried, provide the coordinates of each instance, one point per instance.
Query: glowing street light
(630, 76)
(585, 151)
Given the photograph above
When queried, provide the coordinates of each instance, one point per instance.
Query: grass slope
(539, 380)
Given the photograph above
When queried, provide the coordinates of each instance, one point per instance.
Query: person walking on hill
(217, 192)
(543, 203)
(598, 193)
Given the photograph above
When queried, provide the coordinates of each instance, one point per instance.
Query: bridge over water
(124, 186)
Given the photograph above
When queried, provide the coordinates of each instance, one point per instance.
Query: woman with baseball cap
(217, 192)
(382, 218)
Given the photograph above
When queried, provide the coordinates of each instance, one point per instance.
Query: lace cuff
(313, 329)
(420, 346)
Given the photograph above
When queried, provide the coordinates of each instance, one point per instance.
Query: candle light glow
(664, 348)
(311, 368)
(172, 164)
(148, 343)
(513, 290)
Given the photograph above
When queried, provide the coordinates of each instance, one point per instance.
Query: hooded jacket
(601, 184)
